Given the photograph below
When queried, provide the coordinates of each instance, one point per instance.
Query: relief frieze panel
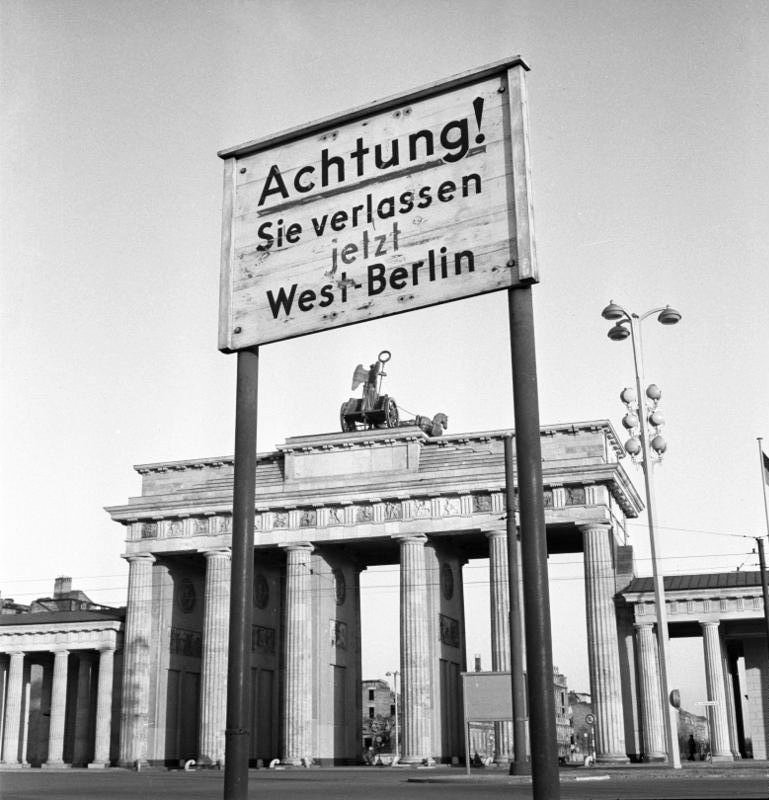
(280, 519)
(149, 530)
(338, 631)
(364, 514)
(575, 495)
(450, 507)
(308, 518)
(186, 643)
(334, 516)
(449, 630)
(262, 639)
(421, 509)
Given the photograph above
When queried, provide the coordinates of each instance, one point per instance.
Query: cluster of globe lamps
(632, 423)
(642, 448)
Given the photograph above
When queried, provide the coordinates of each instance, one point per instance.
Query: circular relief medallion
(187, 595)
(261, 591)
(340, 586)
(447, 581)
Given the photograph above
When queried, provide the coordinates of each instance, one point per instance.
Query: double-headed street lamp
(627, 325)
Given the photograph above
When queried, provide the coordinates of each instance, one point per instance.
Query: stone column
(297, 704)
(213, 670)
(81, 752)
(499, 596)
(652, 722)
(134, 709)
(731, 711)
(417, 711)
(25, 712)
(602, 644)
(58, 710)
(714, 680)
(13, 704)
(103, 731)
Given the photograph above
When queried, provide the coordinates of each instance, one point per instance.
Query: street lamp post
(629, 325)
(394, 674)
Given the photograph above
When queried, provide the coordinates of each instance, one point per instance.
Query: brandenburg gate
(328, 506)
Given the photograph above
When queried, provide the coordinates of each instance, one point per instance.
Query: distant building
(59, 662)
(563, 727)
(378, 724)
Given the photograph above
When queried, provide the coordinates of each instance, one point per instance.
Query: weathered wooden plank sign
(409, 202)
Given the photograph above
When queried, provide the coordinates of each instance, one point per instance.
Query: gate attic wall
(327, 506)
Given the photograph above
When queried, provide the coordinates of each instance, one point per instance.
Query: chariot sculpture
(376, 410)
(372, 410)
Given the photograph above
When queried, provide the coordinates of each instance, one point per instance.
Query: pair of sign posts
(409, 202)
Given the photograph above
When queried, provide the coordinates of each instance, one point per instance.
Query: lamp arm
(649, 313)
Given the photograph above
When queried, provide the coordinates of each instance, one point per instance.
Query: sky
(649, 125)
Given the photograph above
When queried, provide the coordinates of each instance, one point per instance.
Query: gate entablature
(722, 596)
(374, 484)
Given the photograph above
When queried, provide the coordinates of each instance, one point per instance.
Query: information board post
(539, 648)
(237, 734)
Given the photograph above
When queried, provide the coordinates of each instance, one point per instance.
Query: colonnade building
(328, 506)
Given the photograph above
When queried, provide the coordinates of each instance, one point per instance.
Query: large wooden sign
(412, 201)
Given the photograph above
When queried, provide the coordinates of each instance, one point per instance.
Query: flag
(765, 465)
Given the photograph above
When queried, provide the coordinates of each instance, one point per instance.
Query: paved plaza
(747, 780)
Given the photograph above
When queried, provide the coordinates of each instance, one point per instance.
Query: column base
(297, 762)
(55, 765)
(722, 759)
(98, 765)
(417, 761)
(138, 765)
(11, 765)
(612, 758)
(654, 758)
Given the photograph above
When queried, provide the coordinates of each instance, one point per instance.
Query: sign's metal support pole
(237, 734)
(539, 648)
(519, 764)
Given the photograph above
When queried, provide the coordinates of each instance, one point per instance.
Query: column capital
(60, 651)
(639, 625)
(417, 538)
(594, 526)
(494, 532)
(216, 552)
(706, 623)
(107, 648)
(135, 557)
(292, 546)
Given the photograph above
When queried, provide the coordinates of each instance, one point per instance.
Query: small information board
(409, 202)
(488, 696)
